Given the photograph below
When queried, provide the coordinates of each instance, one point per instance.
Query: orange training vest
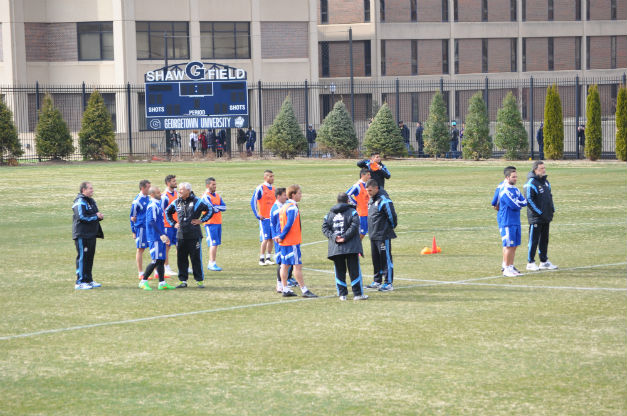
(294, 235)
(266, 201)
(216, 218)
(362, 200)
(171, 198)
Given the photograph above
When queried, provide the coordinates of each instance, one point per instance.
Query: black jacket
(85, 223)
(540, 207)
(342, 221)
(188, 210)
(405, 133)
(381, 217)
(311, 135)
(380, 175)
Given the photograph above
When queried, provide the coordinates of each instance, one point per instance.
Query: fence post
(37, 95)
(398, 100)
(531, 128)
(307, 117)
(577, 113)
(84, 96)
(624, 79)
(128, 117)
(260, 119)
(486, 97)
(441, 85)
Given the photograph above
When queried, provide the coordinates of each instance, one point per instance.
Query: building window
(366, 10)
(577, 9)
(550, 44)
(414, 57)
(455, 14)
(150, 40)
(514, 55)
(613, 52)
(414, 107)
(382, 57)
(588, 11)
(324, 58)
(550, 12)
(577, 53)
(324, 11)
(414, 10)
(225, 40)
(367, 59)
(484, 55)
(95, 41)
(382, 9)
(484, 10)
(588, 52)
(524, 55)
(456, 56)
(512, 10)
(445, 56)
(613, 9)
(445, 10)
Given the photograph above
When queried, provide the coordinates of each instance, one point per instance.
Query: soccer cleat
(547, 265)
(214, 268)
(182, 285)
(510, 272)
(144, 285)
(279, 288)
(83, 286)
(262, 263)
(532, 267)
(386, 287)
(373, 285)
(289, 294)
(291, 282)
(269, 261)
(165, 286)
(200, 284)
(309, 294)
(360, 297)
(95, 284)
(342, 297)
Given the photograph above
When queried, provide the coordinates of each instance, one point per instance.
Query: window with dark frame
(445, 68)
(367, 58)
(150, 40)
(613, 9)
(550, 11)
(456, 57)
(512, 10)
(550, 46)
(414, 57)
(484, 10)
(514, 55)
(414, 107)
(484, 55)
(95, 41)
(414, 10)
(445, 10)
(324, 11)
(523, 10)
(587, 9)
(613, 52)
(455, 16)
(324, 58)
(366, 10)
(578, 10)
(587, 52)
(225, 40)
(524, 55)
(578, 52)
(382, 9)
(382, 57)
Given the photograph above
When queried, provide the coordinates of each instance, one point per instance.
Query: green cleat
(144, 285)
(165, 286)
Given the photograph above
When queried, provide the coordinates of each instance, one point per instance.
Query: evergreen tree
(594, 136)
(511, 135)
(553, 124)
(384, 136)
(337, 133)
(52, 136)
(436, 134)
(9, 141)
(97, 137)
(621, 123)
(285, 137)
(477, 142)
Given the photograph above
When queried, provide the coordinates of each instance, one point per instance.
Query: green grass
(533, 345)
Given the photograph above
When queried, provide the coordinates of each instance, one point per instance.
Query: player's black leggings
(156, 264)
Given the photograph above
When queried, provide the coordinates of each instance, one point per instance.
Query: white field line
(256, 305)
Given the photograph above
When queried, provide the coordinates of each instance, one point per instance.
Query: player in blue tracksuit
(157, 240)
(138, 222)
(508, 201)
(275, 228)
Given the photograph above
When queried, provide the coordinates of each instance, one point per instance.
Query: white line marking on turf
(254, 305)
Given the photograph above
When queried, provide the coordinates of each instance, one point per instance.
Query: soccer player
(540, 211)
(275, 227)
(261, 204)
(341, 227)
(381, 224)
(289, 239)
(192, 211)
(213, 227)
(378, 171)
(359, 197)
(85, 229)
(508, 201)
(166, 199)
(157, 241)
(138, 222)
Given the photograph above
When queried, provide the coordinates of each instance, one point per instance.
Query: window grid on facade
(484, 55)
(445, 10)
(524, 10)
(588, 52)
(414, 57)
(366, 10)
(613, 9)
(95, 41)
(225, 40)
(550, 12)
(151, 35)
(514, 55)
(512, 10)
(367, 59)
(455, 13)
(577, 53)
(324, 58)
(456, 64)
(577, 9)
(588, 11)
(613, 52)
(524, 55)
(445, 56)
(414, 10)
(484, 10)
(324, 11)
(382, 9)
(382, 57)
(550, 53)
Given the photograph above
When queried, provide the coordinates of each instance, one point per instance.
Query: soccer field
(453, 338)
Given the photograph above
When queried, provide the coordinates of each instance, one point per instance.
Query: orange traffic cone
(434, 247)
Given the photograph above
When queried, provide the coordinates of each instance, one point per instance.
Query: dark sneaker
(289, 294)
(309, 294)
(373, 285)
(182, 285)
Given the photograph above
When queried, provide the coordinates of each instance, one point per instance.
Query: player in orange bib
(213, 227)
(261, 204)
(289, 240)
(359, 197)
(167, 198)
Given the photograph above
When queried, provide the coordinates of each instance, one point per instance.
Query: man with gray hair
(191, 212)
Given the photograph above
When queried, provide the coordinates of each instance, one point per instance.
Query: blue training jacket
(155, 227)
(510, 201)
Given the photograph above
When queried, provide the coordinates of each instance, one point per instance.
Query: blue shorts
(140, 237)
(171, 233)
(214, 234)
(510, 235)
(291, 255)
(277, 252)
(363, 225)
(265, 230)
(157, 250)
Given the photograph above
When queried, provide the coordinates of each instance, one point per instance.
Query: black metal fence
(408, 99)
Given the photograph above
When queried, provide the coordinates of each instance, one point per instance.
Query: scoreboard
(214, 98)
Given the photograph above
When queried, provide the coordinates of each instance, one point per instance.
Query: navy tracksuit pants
(382, 261)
